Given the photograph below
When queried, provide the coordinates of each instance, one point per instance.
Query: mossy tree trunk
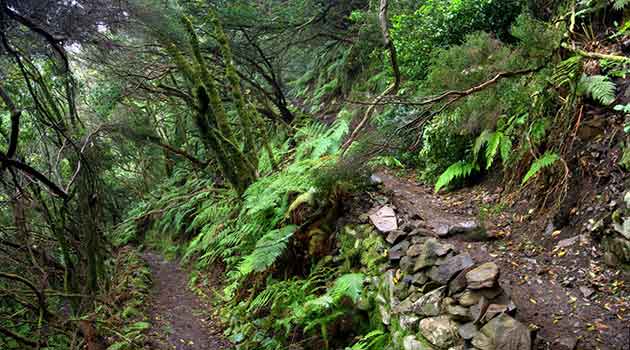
(237, 162)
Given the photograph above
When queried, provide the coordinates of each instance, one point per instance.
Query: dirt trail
(180, 320)
(565, 295)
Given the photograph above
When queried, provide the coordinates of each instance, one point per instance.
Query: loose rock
(445, 272)
(503, 333)
(483, 276)
(440, 331)
(385, 219)
(468, 330)
(431, 251)
(429, 304)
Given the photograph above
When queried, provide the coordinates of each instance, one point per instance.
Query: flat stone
(463, 227)
(458, 283)
(419, 279)
(406, 264)
(404, 307)
(394, 236)
(468, 330)
(429, 304)
(483, 276)
(440, 331)
(415, 249)
(492, 293)
(493, 310)
(441, 230)
(469, 298)
(398, 251)
(385, 219)
(478, 310)
(445, 272)
(458, 313)
(505, 333)
(430, 252)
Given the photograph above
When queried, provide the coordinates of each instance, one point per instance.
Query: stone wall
(435, 297)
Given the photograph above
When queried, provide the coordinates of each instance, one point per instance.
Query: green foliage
(268, 248)
(442, 145)
(598, 87)
(318, 139)
(375, 340)
(567, 72)
(457, 170)
(545, 161)
(421, 29)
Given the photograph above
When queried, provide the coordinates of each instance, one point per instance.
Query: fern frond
(599, 87)
(493, 147)
(268, 248)
(567, 71)
(348, 285)
(547, 160)
(480, 141)
(375, 340)
(456, 170)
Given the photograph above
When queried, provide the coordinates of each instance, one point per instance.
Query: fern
(547, 160)
(375, 340)
(599, 87)
(493, 147)
(457, 170)
(567, 71)
(268, 248)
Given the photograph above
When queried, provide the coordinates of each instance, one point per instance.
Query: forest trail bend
(180, 320)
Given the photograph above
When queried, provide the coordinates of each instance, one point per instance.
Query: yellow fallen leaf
(555, 233)
(533, 301)
(562, 253)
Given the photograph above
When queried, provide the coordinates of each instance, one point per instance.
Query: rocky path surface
(180, 320)
(558, 287)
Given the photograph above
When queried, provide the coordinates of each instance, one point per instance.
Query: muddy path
(180, 320)
(558, 281)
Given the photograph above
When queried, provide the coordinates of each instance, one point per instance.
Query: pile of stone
(435, 297)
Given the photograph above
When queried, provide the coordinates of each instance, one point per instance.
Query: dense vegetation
(233, 134)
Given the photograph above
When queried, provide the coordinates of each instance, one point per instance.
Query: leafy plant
(547, 160)
(457, 170)
(623, 108)
(599, 87)
(268, 248)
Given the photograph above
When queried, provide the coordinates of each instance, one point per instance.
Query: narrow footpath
(181, 321)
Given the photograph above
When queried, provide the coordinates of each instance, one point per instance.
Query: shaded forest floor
(180, 320)
(555, 276)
